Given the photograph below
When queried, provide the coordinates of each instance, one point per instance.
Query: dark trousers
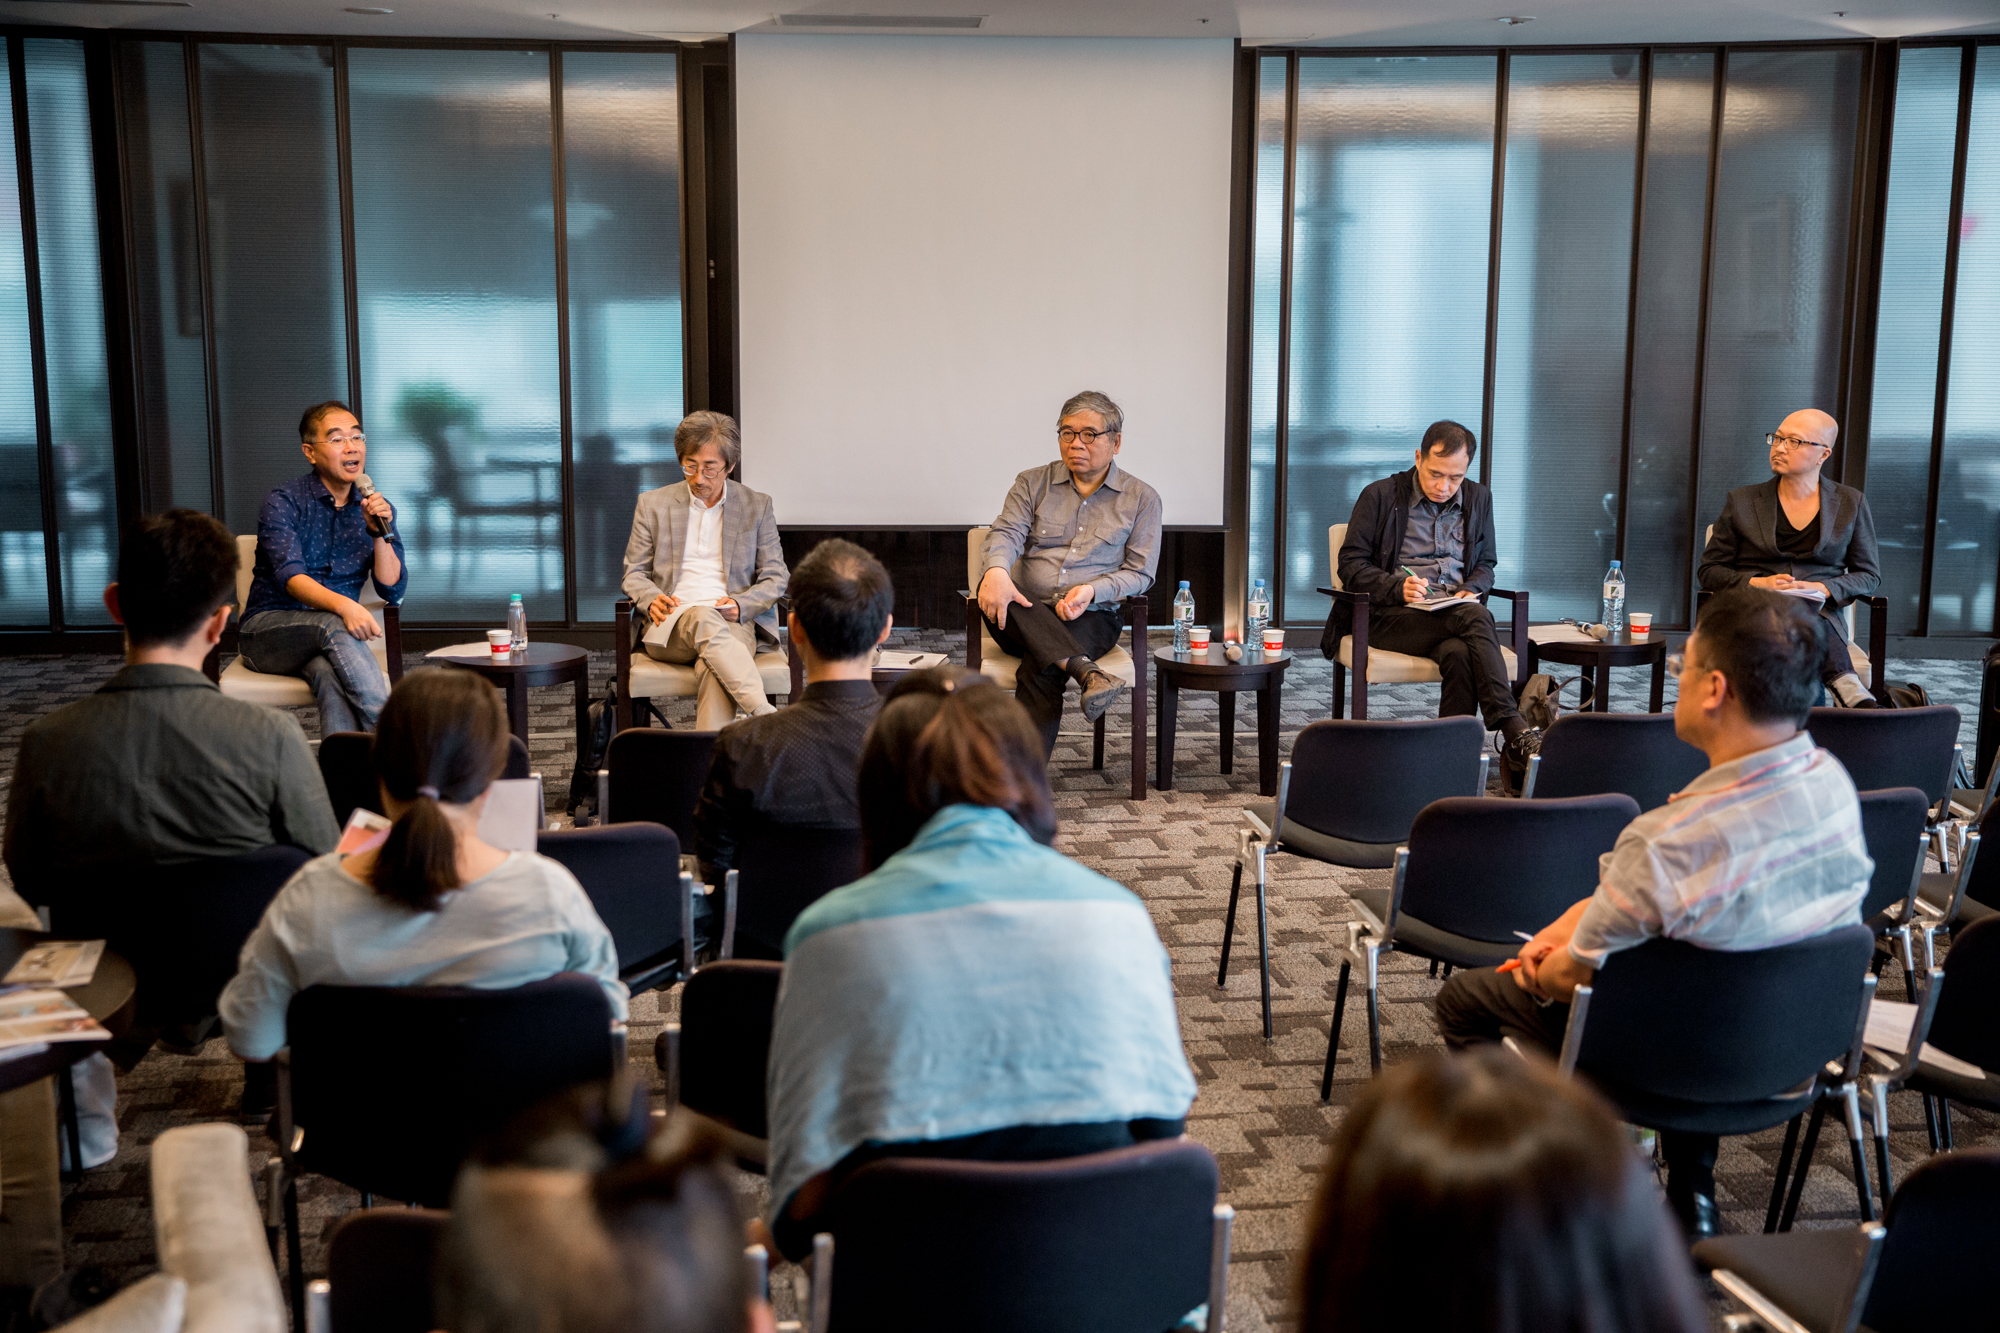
(1839, 661)
(1462, 641)
(1484, 1005)
(1041, 638)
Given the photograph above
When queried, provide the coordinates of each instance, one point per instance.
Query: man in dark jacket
(1423, 533)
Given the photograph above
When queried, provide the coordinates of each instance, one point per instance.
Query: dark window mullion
(1281, 461)
(1497, 208)
(1967, 68)
(343, 149)
(1716, 107)
(568, 465)
(1632, 292)
(31, 259)
(198, 188)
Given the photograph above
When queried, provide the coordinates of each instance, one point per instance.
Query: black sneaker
(1514, 756)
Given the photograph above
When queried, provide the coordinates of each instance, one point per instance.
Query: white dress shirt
(701, 583)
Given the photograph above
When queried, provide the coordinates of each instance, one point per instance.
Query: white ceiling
(1320, 22)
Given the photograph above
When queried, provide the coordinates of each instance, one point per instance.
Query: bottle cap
(1184, 583)
(516, 597)
(1614, 564)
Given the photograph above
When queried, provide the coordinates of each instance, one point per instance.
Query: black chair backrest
(1113, 1242)
(1585, 754)
(379, 1268)
(1365, 781)
(1893, 822)
(1890, 747)
(1943, 1232)
(726, 1012)
(656, 775)
(782, 869)
(346, 766)
(630, 872)
(1485, 868)
(1967, 1022)
(1703, 1025)
(393, 1085)
(182, 926)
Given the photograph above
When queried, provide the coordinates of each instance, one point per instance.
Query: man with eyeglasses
(705, 566)
(319, 539)
(1073, 540)
(1804, 536)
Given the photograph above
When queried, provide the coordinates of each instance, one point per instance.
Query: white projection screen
(943, 238)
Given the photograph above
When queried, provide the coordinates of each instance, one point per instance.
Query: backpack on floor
(1541, 698)
(597, 738)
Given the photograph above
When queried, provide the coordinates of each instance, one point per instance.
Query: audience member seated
(704, 564)
(555, 1241)
(431, 904)
(1428, 532)
(796, 766)
(1074, 539)
(319, 539)
(976, 995)
(1800, 534)
(155, 768)
(1763, 849)
(1483, 1193)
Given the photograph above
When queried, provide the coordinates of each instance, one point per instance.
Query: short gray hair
(1090, 400)
(698, 428)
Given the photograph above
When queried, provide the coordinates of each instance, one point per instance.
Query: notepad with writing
(1808, 594)
(1442, 600)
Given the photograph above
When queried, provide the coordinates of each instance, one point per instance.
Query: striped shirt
(1761, 851)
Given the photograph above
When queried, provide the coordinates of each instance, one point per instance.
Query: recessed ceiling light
(1515, 20)
(365, 9)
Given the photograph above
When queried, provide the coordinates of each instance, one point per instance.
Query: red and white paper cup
(500, 641)
(1274, 641)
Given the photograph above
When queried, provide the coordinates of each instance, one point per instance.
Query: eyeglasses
(337, 440)
(1793, 442)
(709, 470)
(1065, 435)
(1677, 663)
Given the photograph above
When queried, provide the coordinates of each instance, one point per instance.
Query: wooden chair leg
(1097, 744)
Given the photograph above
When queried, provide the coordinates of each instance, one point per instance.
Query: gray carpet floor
(1259, 1107)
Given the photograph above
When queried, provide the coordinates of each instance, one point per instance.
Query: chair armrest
(687, 925)
(621, 660)
(1518, 636)
(667, 1055)
(1136, 607)
(728, 949)
(1345, 595)
(209, 1230)
(1878, 644)
(392, 639)
(975, 625)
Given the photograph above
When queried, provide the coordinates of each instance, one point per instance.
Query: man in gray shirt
(1074, 539)
(155, 768)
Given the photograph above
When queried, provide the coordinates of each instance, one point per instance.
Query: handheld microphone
(364, 489)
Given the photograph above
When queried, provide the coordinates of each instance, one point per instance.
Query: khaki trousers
(31, 1241)
(724, 655)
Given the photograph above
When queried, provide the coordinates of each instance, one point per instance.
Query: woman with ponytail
(977, 994)
(433, 905)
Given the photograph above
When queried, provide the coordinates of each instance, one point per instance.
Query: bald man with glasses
(1802, 535)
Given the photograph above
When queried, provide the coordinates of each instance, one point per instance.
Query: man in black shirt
(796, 766)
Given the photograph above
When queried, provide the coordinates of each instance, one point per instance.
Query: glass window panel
(1659, 541)
(24, 570)
(1968, 537)
(454, 241)
(621, 178)
(1783, 192)
(1389, 258)
(273, 199)
(1267, 269)
(1559, 368)
(72, 323)
(166, 295)
(1908, 318)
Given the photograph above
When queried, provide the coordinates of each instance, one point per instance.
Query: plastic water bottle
(1257, 613)
(517, 623)
(1612, 613)
(1183, 617)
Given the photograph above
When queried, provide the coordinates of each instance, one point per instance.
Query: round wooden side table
(537, 664)
(1571, 647)
(1212, 670)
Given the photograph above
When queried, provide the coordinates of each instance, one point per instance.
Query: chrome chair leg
(1878, 1106)
(1263, 939)
(1372, 947)
(1850, 1096)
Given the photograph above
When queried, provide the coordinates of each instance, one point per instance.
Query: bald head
(1811, 424)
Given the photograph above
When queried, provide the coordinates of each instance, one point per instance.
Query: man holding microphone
(319, 538)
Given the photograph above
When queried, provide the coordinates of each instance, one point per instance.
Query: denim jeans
(343, 672)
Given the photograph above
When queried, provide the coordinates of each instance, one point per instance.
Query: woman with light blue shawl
(977, 994)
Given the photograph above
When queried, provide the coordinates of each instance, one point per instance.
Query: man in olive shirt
(155, 768)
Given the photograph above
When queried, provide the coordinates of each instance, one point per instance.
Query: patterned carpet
(1258, 1109)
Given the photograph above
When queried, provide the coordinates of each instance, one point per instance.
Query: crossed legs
(1045, 643)
(724, 654)
(342, 670)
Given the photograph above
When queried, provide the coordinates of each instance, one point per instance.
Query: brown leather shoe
(1101, 689)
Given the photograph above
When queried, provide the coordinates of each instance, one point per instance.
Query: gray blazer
(1744, 544)
(753, 564)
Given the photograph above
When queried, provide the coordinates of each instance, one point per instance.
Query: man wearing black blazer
(1801, 534)
(1427, 532)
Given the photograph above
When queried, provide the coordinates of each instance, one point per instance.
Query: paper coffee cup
(500, 641)
(1198, 636)
(1642, 624)
(1274, 640)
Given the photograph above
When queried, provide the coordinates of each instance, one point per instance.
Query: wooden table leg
(1225, 705)
(517, 707)
(1659, 681)
(1170, 707)
(582, 716)
(1268, 699)
(1602, 703)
